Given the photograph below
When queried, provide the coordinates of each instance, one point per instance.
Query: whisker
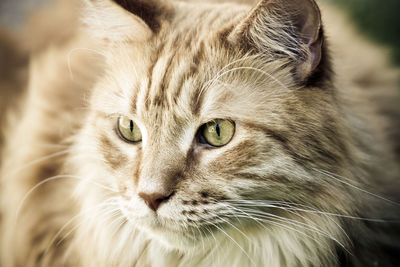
(225, 67)
(286, 226)
(294, 223)
(116, 213)
(229, 223)
(236, 243)
(36, 161)
(81, 213)
(74, 229)
(214, 251)
(253, 69)
(58, 177)
(291, 206)
(264, 220)
(46, 157)
(333, 176)
(219, 74)
(201, 237)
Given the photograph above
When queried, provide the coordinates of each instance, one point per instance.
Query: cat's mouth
(173, 234)
(178, 235)
(179, 232)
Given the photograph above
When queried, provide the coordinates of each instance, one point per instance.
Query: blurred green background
(378, 19)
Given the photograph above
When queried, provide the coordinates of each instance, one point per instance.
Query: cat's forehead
(174, 82)
(188, 72)
(178, 63)
(176, 74)
(204, 18)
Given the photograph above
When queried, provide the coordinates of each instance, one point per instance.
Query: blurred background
(13, 12)
(379, 20)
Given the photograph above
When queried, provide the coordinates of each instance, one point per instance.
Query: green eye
(129, 130)
(218, 132)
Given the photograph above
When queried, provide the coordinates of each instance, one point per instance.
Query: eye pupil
(131, 125)
(218, 129)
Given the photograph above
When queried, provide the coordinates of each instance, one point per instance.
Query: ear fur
(122, 20)
(289, 28)
(150, 11)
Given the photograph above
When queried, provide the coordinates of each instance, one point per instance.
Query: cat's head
(209, 115)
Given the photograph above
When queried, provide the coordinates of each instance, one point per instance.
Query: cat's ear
(289, 28)
(120, 20)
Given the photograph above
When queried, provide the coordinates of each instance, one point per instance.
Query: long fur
(310, 177)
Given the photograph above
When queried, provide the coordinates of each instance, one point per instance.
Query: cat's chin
(174, 238)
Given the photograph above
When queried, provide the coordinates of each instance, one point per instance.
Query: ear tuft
(284, 28)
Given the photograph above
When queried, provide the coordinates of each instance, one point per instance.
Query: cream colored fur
(77, 90)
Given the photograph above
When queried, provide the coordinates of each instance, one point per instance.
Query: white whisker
(58, 177)
(235, 242)
(333, 176)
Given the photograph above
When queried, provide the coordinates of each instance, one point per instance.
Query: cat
(171, 133)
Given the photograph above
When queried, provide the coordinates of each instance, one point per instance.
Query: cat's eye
(217, 133)
(128, 130)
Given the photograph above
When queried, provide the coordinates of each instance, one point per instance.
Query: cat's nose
(154, 200)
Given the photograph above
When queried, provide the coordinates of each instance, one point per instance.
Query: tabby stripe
(193, 69)
(138, 170)
(160, 97)
(134, 99)
(111, 152)
(157, 54)
(275, 135)
(197, 101)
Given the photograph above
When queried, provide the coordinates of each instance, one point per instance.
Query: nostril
(154, 200)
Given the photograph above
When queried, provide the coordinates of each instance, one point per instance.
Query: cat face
(196, 132)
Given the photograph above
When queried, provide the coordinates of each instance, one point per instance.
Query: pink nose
(154, 200)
